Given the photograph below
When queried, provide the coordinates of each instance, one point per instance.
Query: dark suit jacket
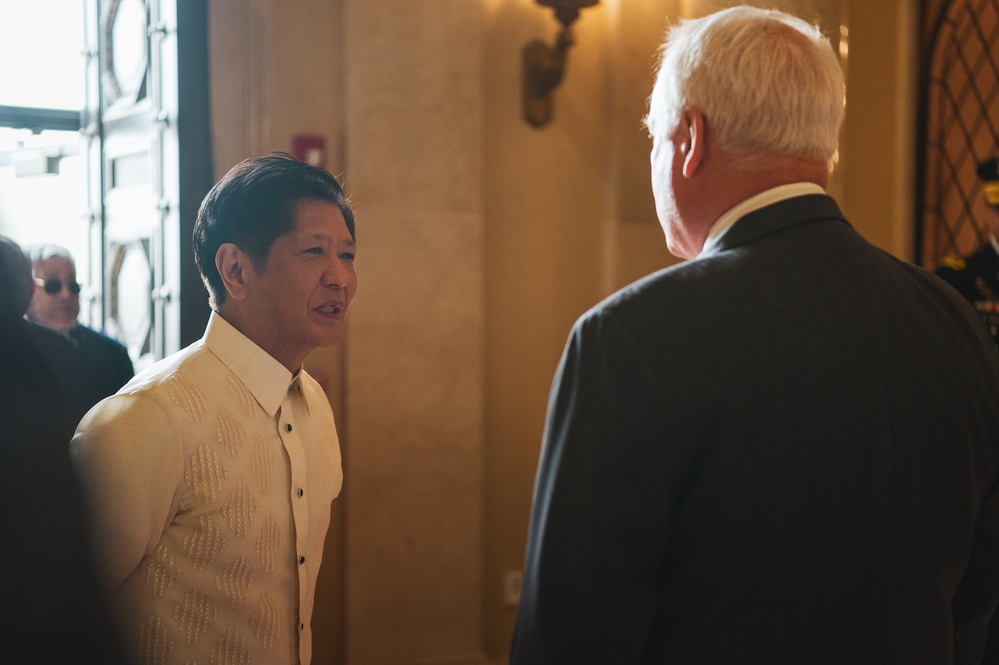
(784, 452)
(977, 279)
(50, 595)
(62, 356)
(88, 366)
(106, 362)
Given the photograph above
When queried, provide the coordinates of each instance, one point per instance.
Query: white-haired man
(55, 303)
(783, 450)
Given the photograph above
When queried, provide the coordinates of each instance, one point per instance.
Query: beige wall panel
(877, 144)
(414, 368)
(545, 206)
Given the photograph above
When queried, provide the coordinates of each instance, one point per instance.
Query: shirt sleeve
(612, 463)
(128, 455)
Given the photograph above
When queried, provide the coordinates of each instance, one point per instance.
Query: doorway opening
(43, 187)
(105, 149)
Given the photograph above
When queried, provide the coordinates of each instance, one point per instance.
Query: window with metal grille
(961, 120)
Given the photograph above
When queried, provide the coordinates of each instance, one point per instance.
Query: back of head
(768, 84)
(15, 281)
(253, 205)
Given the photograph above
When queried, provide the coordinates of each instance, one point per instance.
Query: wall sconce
(544, 65)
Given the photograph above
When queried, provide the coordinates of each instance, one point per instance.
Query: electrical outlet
(512, 580)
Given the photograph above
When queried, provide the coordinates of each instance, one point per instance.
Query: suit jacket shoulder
(772, 411)
(106, 360)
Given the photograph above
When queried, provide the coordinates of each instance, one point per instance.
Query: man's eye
(314, 250)
(347, 256)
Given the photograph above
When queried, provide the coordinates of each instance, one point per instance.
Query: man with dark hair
(783, 450)
(212, 472)
(252, 206)
(976, 277)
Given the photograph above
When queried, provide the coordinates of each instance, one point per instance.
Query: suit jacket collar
(779, 217)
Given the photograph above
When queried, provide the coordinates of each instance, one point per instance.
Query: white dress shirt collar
(266, 378)
(761, 200)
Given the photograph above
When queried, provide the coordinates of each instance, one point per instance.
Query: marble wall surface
(415, 365)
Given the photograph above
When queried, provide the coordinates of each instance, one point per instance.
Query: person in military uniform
(976, 277)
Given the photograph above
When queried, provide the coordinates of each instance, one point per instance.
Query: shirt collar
(266, 378)
(299, 389)
(761, 200)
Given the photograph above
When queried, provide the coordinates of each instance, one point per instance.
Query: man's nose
(337, 273)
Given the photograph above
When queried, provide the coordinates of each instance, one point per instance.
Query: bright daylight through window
(42, 179)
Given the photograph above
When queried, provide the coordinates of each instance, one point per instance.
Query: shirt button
(301, 559)
(301, 492)
(287, 428)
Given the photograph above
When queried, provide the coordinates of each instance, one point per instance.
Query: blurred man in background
(56, 304)
(976, 277)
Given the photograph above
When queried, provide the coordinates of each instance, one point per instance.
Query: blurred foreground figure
(50, 596)
(784, 450)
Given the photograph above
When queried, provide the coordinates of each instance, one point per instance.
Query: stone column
(413, 463)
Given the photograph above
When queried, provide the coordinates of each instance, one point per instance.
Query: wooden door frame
(190, 164)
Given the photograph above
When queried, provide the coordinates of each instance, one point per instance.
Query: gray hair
(45, 251)
(767, 83)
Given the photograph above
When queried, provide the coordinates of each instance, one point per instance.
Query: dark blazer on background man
(62, 357)
(106, 362)
(781, 452)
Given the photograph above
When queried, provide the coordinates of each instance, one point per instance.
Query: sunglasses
(54, 286)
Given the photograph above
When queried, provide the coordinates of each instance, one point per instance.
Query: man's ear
(694, 139)
(233, 265)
